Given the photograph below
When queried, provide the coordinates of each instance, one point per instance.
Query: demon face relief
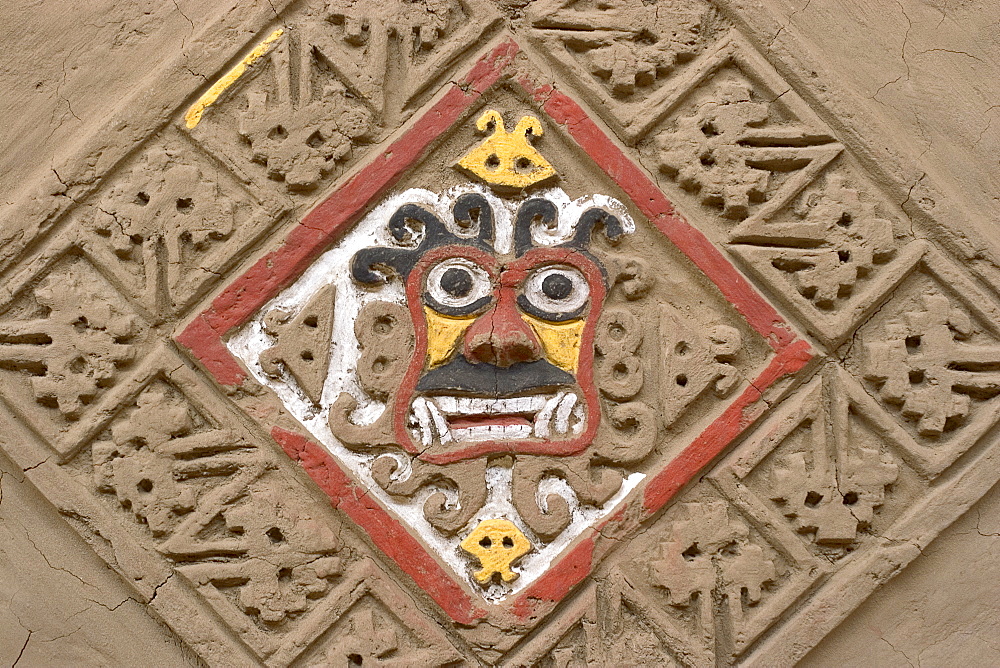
(495, 362)
(462, 357)
(503, 355)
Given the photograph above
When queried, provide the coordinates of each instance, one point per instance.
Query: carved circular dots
(556, 292)
(458, 285)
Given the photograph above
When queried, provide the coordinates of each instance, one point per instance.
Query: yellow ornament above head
(507, 159)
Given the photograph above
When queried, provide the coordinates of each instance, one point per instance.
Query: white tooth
(521, 405)
(472, 434)
(536, 403)
(446, 404)
(439, 422)
(517, 431)
(545, 415)
(579, 424)
(562, 413)
(492, 432)
(423, 416)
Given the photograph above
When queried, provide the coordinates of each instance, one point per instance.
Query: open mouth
(443, 419)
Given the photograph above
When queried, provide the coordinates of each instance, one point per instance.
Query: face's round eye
(556, 292)
(456, 284)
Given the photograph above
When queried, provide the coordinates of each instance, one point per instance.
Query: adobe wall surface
(168, 495)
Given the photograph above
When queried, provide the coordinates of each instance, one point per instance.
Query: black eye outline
(478, 296)
(535, 299)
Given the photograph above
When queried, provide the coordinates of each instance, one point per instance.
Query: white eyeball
(557, 291)
(458, 283)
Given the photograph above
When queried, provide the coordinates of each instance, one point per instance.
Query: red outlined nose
(500, 336)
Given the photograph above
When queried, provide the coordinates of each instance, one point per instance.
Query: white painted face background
(333, 267)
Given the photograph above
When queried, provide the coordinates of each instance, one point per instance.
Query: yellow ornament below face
(497, 544)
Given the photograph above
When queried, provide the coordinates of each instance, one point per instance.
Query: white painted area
(333, 268)
(570, 212)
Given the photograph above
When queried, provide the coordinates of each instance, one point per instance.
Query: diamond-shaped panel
(720, 332)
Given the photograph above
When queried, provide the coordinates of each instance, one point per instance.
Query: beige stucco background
(927, 72)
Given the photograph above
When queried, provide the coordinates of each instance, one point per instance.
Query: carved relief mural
(453, 333)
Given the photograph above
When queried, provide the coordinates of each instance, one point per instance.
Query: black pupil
(557, 286)
(456, 282)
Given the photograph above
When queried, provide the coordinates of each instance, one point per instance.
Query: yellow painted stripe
(193, 115)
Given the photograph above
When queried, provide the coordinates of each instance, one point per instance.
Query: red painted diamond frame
(332, 218)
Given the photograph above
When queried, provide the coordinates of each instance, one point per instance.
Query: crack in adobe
(23, 647)
(787, 23)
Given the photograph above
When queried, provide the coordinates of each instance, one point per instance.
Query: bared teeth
(493, 432)
(440, 424)
(484, 406)
(423, 416)
(562, 413)
(544, 416)
(553, 415)
(578, 425)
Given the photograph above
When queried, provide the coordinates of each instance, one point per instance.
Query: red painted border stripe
(384, 530)
(207, 345)
(572, 569)
(654, 204)
(737, 417)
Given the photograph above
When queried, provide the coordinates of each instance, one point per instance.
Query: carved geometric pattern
(290, 123)
(620, 55)
(392, 54)
(169, 224)
(821, 463)
(930, 358)
(723, 575)
(611, 614)
(331, 84)
(377, 625)
(733, 140)
(704, 365)
(66, 337)
(829, 254)
(714, 578)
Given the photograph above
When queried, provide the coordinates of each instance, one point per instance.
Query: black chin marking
(487, 380)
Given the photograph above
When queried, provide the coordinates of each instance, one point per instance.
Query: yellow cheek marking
(561, 341)
(443, 335)
(193, 115)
